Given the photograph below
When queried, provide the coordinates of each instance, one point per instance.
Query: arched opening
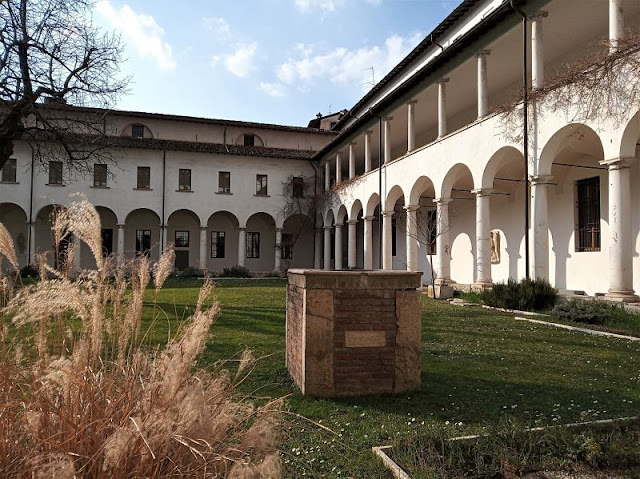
(373, 212)
(183, 230)
(297, 242)
(109, 235)
(260, 243)
(222, 233)
(426, 228)
(341, 238)
(14, 218)
(44, 238)
(142, 234)
(356, 214)
(396, 231)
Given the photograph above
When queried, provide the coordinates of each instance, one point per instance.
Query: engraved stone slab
(365, 339)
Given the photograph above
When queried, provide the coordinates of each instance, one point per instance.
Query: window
(261, 185)
(224, 182)
(298, 186)
(100, 176)
(253, 245)
(182, 239)
(107, 241)
(249, 140)
(287, 246)
(9, 171)
(143, 242)
(55, 172)
(217, 244)
(184, 179)
(144, 177)
(137, 131)
(588, 204)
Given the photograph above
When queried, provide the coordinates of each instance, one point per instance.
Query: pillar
(483, 88)
(368, 242)
(77, 254)
(411, 125)
(120, 245)
(616, 23)
(32, 243)
(387, 231)
(327, 176)
(202, 264)
(412, 237)
(242, 245)
(353, 244)
(540, 225)
(338, 251)
(386, 128)
(327, 247)
(164, 231)
(352, 160)
(367, 151)
(620, 238)
(537, 54)
(338, 168)
(442, 107)
(483, 238)
(443, 248)
(317, 252)
(278, 261)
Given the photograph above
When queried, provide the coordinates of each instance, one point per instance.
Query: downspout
(436, 43)
(525, 146)
(164, 174)
(379, 185)
(30, 210)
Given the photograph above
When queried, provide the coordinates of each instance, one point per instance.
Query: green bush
(236, 272)
(190, 272)
(590, 312)
(526, 295)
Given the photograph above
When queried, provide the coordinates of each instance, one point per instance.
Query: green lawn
(478, 367)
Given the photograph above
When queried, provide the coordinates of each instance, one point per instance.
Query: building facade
(427, 172)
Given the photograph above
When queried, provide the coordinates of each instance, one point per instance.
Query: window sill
(10, 182)
(143, 189)
(184, 191)
(54, 184)
(223, 193)
(263, 196)
(100, 187)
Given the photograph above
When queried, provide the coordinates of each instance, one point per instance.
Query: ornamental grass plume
(81, 396)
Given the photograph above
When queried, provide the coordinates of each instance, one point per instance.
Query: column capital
(119, 225)
(412, 102)
(442, 80)
(388, 214)
(368, 133)
(388, 118)
(278, 230)
(480, 192)
(541, 179)
(327, 227)
(410, 208)
(352, 222)
(618, 163)
(204, 228)
(338, 226)
(353, 143)
(367, 218)
(242, 228)
(339, 155)
(539, 15)
(483, 53)
(442, 201)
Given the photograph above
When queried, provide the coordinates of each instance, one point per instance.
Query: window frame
(137, 127)
(141, 234)
(100, 169)
(9, 171)
(287, 246)
(224, 189)
(139, 185)
(56, 178)
(183, 185)
(249, 139)
(252, 244)
(217, 245)
(588, 215)
(260, 186)
(182, 244)
(297, 187)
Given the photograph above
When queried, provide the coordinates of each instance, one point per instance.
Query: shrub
(526, 295)
(190, 272)
(590, 312)
(236, 272)
(29, 271)
(81, 396)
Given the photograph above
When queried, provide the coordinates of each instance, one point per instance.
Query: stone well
(353, 332)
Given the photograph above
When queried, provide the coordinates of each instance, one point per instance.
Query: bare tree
(53, 58)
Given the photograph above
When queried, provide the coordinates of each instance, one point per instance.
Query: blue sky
(274, 61)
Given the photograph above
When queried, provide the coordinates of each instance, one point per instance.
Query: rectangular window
(287, 246)
(217, 244)
(394, 241)
(261, 185)
(588, 204)
(144, 177)
(224, 182)
(253, 245)
(298, 186)
(143, 242)
(9, 171)
(182, 239)
(100, 176)
(137, 131)
(55, 172)
(107, 241)
(184, 179)
(249, 140)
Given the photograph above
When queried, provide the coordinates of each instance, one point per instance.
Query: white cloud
(219, 26)
(306, 6)
(343, 66)
(142, 31)
(240, 62)
(273, 89)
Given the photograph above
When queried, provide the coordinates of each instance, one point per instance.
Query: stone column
(386, 128)
(338, 168)
(483, 88)
(620, 238)
(352, 160)
(411, 125)
(242, 245)
(32, 243)
(367, 151)
(540, 225)
(327, 176)
(537, 52)
(483, 238)
(327, 247)
(368, 242)
(338, 251)
(120, 245)
(353, 244)
(443, 248)
(278, 253)
(202, 264)
(164, 231)
(442, 107)
(387, 231)
(616, 23)
(412, 237)
(317, 252)
(77, 254)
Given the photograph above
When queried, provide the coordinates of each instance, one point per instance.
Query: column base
(443, 281)
(625, 296)
(481, 286)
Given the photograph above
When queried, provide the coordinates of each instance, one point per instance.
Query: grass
(479, 367)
